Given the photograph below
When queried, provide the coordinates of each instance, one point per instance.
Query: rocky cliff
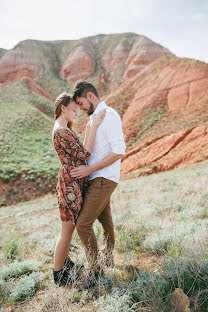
(164, 112)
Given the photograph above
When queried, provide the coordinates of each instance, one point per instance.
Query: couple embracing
(88, 175)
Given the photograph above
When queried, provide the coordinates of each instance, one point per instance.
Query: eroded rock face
(175, 85)
(105, 59)
(126, 58)
(26, 61)
(78, 65)
(14, 65)
(171, 95)
(143, 52)
(117, 55)
(36, 88)
(28, 58)
(184, 147)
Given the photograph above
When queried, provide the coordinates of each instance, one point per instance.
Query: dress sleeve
(71, 146)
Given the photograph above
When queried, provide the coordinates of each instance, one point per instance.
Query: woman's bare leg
(63, 245)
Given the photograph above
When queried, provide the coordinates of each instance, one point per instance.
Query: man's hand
(80, 172)
(83, 171)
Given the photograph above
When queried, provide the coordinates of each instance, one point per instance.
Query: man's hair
(81, 89)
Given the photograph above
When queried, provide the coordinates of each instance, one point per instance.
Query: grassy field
(28, 163)
(26, 151)
(161, 224)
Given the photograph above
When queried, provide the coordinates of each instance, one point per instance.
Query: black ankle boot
(63, 278)
(69, 265)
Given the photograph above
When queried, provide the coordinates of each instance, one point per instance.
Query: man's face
(85, 105)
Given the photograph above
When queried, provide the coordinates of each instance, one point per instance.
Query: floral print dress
(70, 191)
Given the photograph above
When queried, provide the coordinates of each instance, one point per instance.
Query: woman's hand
(91, 131)
(99, 118)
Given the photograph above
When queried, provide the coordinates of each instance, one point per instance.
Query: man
(103, 170)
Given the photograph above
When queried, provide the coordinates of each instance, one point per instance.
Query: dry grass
(156, 217)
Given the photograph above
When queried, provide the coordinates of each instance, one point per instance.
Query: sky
(179, 25)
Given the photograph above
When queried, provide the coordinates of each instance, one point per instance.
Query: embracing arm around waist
(83, 171)
(106, 161)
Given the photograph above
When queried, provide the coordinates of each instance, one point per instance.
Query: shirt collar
(101, 105)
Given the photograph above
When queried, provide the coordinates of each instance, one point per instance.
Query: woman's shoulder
(64, 133)
(61, 130)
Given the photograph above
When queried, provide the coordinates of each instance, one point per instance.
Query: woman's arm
(67, 146)
(91, 131)
(87, 129)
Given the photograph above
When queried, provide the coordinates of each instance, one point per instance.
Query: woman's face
(70, 111)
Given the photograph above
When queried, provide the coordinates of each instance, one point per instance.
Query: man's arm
(83, 171)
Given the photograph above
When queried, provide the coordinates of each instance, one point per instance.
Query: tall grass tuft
(11, 249)
(130, 238)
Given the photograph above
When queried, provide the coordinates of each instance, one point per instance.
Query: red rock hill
(165, 119)
(162, 99)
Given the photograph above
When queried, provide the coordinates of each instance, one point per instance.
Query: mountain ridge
(161, 98)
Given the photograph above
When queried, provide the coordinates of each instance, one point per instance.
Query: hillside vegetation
(28, 160)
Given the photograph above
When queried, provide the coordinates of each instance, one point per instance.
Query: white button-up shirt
(109, 138)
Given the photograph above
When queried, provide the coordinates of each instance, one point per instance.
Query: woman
(70, 191)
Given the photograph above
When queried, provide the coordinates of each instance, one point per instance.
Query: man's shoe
(69, 265)
(64, 278)
(90, 280)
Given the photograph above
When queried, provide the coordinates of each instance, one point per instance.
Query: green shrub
(175, 249)
(26, 287)
(150, 289)
(5, 179)
(74, 295)
(86, 296)
(191, 276)
(17, 268)
(153, 291)
(11, 249)
(3, 203)
(118, 301)
(130, 239)
(4, 291)
(180, 273)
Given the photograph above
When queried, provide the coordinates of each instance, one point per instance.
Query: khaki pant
(96, 206)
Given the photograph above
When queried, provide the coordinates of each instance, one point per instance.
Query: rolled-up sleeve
(114, 133)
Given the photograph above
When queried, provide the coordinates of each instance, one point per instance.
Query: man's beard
(91, 109)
